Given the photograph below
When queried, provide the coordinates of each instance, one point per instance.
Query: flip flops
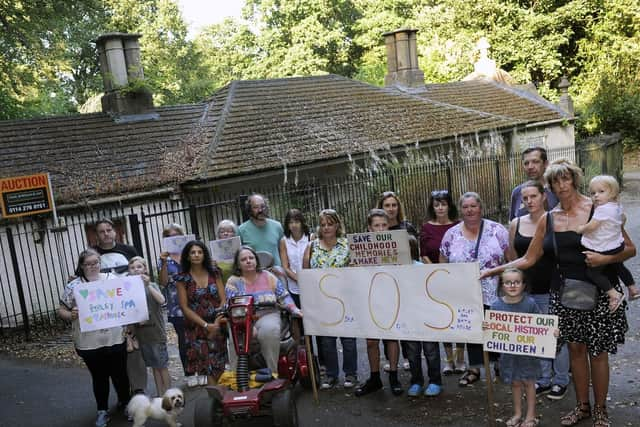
(468, 378)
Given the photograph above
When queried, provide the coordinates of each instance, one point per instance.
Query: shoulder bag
(574, 294)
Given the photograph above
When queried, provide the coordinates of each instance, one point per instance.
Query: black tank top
(539, 275)
(570, 256)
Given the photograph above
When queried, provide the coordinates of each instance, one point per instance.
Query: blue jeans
(431, 351)
(329, 351)
(554, 372)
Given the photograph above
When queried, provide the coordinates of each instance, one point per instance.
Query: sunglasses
(388, 194)
(328, 212)
(439, 194)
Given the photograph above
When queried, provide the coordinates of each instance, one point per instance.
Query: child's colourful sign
(108, 303)
(520, 333)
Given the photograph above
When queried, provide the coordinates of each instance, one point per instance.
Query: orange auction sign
(25, 195)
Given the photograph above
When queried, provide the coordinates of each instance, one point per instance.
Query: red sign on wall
(25, 195)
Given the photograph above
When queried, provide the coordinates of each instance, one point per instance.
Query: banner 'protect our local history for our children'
(520, 333)
(108, 303)
(433, 302)
(379, 248)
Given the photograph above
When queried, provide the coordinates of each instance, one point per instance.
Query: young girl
(518, 370)
(603, 234)
(152, 334)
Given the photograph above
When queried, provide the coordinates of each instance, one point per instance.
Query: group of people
(555, 232)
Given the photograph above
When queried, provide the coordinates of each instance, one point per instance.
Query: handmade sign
(108, 303)
(379, 248)
(175, 244)
(223, 251)
(433, 302)
(520, 333)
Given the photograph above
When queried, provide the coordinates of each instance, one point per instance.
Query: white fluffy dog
(166, 408)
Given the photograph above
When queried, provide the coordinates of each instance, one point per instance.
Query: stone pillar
(565, 102)
(132, 57)
(402, 59)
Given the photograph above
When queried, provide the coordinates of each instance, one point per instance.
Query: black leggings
(105, 362)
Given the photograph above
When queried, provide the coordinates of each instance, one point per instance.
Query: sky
(199, 13)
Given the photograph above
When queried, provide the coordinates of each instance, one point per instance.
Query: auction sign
(25, 195)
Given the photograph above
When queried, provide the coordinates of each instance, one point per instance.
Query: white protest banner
(224, 250)
(379, 248)
(433, 302)
(108, 303)
(175, 244)
(520, 333)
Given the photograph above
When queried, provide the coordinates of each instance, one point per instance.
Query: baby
(603, 234)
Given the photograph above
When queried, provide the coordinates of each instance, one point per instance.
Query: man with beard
(261, 232)
(114, 259)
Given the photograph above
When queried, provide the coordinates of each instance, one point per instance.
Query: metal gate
(200, 220)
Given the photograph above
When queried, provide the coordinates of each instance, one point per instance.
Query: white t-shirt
(608, 235)
(295, 252)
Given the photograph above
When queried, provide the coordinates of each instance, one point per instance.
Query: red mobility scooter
(247, 398)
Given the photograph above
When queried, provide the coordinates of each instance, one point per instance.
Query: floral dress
(204, 356)
(336, 257)
(493, 244)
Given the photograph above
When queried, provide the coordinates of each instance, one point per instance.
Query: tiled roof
(494, 98)
(250, 126)
(90, 155)
(269, 123)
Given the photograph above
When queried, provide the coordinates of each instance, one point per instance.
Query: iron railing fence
(37, 258)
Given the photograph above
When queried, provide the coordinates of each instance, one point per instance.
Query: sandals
(469, 378)
(514, 422)
(533, 422)
(600, 416)
(615, 304)
(581, 412)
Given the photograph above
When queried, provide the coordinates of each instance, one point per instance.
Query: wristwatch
(204, 325)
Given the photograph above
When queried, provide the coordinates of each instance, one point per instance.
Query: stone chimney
(119, 56)
(565, 102)
(402, 59)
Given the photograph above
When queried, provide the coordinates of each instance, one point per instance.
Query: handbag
(574, 293)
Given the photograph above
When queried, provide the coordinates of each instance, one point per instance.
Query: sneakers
(103, 419)
(406, 365)
(557, 392)
(433, 390)
(369, 386)
(328, 383)
(192, 381)
(542, 389)
(350, 381)
(202, 380)
(414, 390)
(448, 368)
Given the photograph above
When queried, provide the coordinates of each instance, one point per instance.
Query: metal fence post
(16, 273)
(134, 226)
(193, 216)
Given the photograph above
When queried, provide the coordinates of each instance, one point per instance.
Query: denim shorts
(155, 355)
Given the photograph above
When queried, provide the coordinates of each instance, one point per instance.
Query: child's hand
(485, 325)
(164, 256)
(556, 332)
(145, 279)
(580, 229)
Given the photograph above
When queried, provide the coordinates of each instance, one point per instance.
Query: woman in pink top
(442, 214)
(249, 279)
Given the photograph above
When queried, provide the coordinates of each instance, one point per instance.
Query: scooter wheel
(207, 413)
(285, 413)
